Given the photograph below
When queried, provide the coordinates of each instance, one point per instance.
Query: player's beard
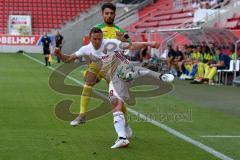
(109, 21)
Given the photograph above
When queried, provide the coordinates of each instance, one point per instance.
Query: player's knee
(116, 104)
(90, 78)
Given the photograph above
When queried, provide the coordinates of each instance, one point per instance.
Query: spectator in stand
(187, 64)
(192, 66)
(197, 54)
(222, 62)
(179, 57)
(180, 64)
(233, 53)
(208, 58)
(171, 60)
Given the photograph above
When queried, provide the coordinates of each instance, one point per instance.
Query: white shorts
(118, 88)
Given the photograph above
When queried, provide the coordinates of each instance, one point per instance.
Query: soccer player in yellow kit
(110, 31)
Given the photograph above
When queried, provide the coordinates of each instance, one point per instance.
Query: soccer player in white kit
(109, 54)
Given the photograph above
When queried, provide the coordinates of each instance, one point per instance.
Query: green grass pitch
(30, 130)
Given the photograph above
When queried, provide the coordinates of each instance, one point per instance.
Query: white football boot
(121, 143)
(79, 119)
(167, 77)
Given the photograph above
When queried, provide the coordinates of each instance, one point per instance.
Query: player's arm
(64, 57)
(218, 64)
(124, 37)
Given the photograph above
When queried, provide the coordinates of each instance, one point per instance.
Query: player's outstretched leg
(140, 71)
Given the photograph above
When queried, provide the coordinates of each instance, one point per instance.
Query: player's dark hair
(108, 5)
(95, 30)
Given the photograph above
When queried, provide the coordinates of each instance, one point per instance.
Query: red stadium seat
(231, 24)
(149, 24)
(45, 16)
(162, 18)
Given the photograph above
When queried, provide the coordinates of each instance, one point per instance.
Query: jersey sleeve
(113, 42)
(81, 52)
(100, 25)
(121, 29)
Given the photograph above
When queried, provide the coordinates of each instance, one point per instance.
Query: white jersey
(108, 57)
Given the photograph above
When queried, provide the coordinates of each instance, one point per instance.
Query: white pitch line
(158, 124)
(219, 136)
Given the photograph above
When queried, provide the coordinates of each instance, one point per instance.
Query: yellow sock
(85, 97)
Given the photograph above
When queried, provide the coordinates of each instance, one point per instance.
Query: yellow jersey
(110, 32)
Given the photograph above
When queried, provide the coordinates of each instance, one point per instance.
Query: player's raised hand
(120, 36)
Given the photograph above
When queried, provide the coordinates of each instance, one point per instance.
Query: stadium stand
(46, 14)
(161, 15)
(168, 14)
(52, 14)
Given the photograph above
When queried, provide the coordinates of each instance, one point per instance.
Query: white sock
(119, 124)
(146, 72)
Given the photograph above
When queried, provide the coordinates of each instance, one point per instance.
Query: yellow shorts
(93, 68)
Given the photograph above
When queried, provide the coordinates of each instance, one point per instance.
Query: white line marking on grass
(219, 136)
(158, 124)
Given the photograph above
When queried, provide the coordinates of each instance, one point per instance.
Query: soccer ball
(126, 72)
(129, 75)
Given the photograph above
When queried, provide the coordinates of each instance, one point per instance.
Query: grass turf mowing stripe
(156, 123)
